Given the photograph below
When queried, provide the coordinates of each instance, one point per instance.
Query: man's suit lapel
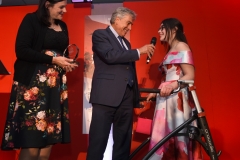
(116, 41)
(113, 37)
(127, 43)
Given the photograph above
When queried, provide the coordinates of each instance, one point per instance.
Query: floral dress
(172, 111)
(38, 114)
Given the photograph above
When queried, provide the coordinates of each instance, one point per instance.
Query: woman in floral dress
(173, 109)
(38, 114)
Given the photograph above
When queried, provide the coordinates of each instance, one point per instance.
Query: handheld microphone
(153, 41)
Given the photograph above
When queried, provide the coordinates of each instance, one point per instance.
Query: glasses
(161, 28)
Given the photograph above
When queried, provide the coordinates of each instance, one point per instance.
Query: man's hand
(147, 49)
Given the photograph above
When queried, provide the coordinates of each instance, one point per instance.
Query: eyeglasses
(161, 28)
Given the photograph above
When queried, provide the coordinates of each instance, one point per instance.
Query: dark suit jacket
(111, 69)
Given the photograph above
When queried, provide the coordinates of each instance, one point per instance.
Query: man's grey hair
(120, 12)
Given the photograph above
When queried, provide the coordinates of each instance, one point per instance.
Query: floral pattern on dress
(172, 111)
(28, 110)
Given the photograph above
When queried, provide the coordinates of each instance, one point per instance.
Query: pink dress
(172, 111)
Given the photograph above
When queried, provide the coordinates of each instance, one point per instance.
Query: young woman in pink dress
(173, 109)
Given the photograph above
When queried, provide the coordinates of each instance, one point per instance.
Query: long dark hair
(171, 24)
(43, 13)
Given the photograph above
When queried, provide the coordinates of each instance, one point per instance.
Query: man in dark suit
(114, 91)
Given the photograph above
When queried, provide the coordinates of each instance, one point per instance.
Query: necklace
(175, 45)
(53, 26)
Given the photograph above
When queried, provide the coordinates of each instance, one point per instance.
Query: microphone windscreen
(153, 41)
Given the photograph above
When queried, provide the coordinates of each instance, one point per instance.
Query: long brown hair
(170, 24)
(43, 13)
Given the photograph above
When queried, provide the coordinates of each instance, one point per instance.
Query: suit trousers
(102, 118)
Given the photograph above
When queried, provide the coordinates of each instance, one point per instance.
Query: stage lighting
(107, 1)
(74, 1)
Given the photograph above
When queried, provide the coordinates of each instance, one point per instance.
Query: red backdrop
(212, 29)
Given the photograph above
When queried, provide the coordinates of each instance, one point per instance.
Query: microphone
(153, 41)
